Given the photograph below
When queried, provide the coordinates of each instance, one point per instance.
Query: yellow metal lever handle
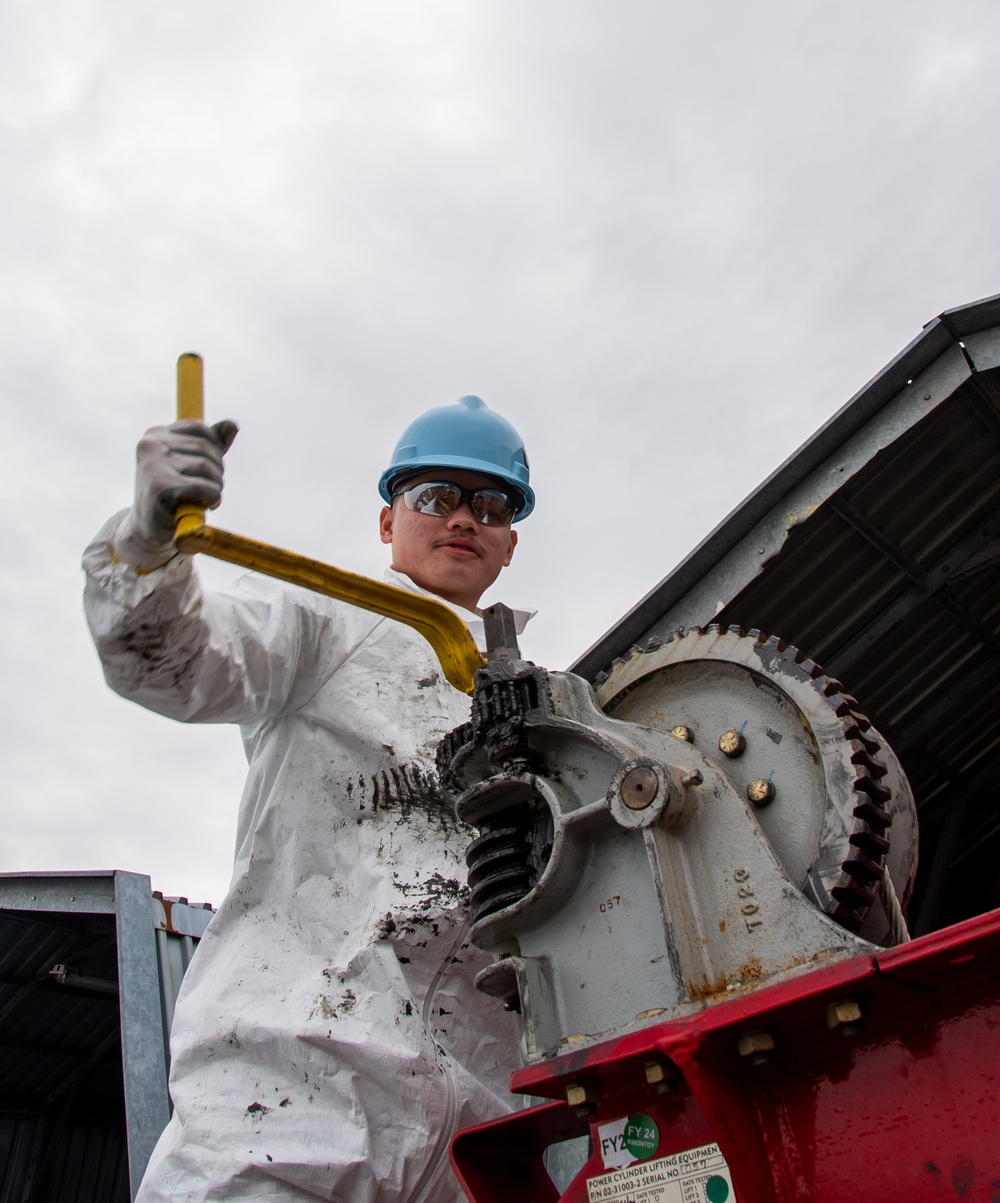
(190, 404)
(440, 626)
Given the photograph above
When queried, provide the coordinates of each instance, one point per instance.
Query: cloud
(667, 241)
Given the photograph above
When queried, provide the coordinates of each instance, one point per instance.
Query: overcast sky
(667, 241)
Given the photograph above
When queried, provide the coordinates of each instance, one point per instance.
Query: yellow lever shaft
(190, 404)
(441, 626)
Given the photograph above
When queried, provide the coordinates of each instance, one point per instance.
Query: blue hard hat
(466, 434)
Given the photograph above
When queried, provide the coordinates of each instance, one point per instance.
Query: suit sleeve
(216, 656)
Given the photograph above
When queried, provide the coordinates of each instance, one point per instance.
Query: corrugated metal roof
(875, 549)
(62, 1102)
(82, 1075)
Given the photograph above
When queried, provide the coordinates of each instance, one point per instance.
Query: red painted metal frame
(907, 1109)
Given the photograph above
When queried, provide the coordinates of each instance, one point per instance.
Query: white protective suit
(328, 1040)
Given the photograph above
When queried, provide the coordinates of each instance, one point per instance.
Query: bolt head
(758, 1046)
(844, 1014)
(583, 1097)
(761, 792)
(639, 788)
(683, 732)
(658, 1074)
(656, 1071)
(732, 744)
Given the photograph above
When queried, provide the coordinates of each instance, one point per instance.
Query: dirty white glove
(176, 465)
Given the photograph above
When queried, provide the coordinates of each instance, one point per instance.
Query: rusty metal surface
(900, 1107)
(620, 875)
(875, 550)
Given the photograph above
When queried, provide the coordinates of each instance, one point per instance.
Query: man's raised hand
(176, 465)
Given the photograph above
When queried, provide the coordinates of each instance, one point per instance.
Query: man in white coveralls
(328, 1040)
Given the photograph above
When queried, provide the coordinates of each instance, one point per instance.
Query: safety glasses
(439, 498)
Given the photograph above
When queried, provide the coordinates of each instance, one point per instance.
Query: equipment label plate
(693, 1176)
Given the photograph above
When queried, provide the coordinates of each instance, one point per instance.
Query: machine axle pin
(639, 788)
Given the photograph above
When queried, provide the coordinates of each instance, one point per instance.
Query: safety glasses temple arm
(440, 626)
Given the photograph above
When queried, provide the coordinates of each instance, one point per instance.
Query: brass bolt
(683, 732)
(639, 787)
(583, 1097)
(761, 792)
(657, 1075)
(757, 1046)
(844, 1014)
(732, 744)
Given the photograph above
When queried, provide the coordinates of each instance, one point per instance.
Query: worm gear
(830, 794)
(721, 823)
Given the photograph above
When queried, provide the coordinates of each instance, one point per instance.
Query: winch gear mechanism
(723, 822)
(839, 809)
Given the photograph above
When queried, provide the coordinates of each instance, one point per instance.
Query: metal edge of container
(932, 361)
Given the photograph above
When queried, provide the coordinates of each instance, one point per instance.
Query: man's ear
(385, 525)
(510, 548)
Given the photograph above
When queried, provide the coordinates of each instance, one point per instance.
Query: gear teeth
(855, 734)
(873, 815)
(861, 872)
(853, 893)
(866, 784)
(808, 666)
(449, 751)
(863, 757)
(847, 919)
(653, 644)
(846, 912)
(868, 842)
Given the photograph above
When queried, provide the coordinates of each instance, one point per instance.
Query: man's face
(455, 557)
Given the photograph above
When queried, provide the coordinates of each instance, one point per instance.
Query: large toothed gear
(841, 806)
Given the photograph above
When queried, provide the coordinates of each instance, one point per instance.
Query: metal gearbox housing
(838, 790)
(621, 875)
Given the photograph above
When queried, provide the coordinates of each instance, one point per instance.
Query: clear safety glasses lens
(491, 507)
